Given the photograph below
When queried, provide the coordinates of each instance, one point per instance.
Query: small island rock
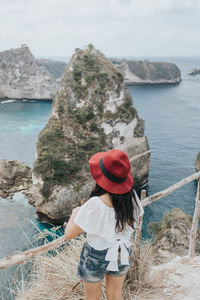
(193, 72)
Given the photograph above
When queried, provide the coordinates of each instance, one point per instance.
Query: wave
(8, 101)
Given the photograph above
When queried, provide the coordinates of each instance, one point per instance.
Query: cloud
(58, 26)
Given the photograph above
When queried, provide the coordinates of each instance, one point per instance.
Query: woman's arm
(72, 230)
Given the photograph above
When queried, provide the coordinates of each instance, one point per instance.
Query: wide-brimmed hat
(111, 171)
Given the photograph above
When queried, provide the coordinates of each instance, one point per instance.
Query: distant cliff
(135, 72)
(56, 68)
(138, 72)
(23, 77)
(92, 111)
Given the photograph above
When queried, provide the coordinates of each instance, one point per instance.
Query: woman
(109, 218)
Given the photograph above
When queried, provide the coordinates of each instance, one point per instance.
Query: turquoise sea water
(172, 126)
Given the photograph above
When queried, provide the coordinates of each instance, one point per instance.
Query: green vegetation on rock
(61, 158)
(159, 229)
(74, 133)
(150, 71)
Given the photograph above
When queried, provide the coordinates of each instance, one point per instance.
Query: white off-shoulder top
(98, 221)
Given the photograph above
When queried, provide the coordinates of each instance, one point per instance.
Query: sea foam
(7, 101)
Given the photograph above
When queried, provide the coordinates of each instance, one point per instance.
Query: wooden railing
(166, 192)
(26, 255)
(195, 222)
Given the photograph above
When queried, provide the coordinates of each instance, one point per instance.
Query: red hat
(111, 171)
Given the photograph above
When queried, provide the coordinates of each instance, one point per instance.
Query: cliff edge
(23, 77)
(138, 72)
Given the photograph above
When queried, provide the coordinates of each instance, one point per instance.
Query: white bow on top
(112, 254)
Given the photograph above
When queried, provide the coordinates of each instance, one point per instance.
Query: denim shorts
(92, 265)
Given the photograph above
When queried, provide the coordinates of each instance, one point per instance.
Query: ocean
(172, 126)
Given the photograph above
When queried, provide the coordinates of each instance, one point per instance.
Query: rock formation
(172, 235)
(145, 72)
(92, 111)
(15, 176)
(197, 162)
(23, 77)
(193, 72)
(135, 72)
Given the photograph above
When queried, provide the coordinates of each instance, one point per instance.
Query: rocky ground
(176, 280)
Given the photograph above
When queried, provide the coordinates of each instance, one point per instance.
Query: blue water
(172, 126)
(20, 124)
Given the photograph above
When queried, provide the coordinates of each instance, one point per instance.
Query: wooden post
(136, 246)
(138, 231)
(195, 222)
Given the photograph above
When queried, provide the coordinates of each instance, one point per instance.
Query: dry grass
(138, 278)
(53, 277)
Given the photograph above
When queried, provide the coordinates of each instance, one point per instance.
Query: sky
(127, 28)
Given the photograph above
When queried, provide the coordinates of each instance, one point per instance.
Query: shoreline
(9, 100)
(127, 83)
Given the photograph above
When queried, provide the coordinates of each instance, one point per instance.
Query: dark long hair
(122, 204)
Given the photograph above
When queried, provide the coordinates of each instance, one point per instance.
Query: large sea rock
(23, 77)
(92, 111)
(138, 72)
(15, 176)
